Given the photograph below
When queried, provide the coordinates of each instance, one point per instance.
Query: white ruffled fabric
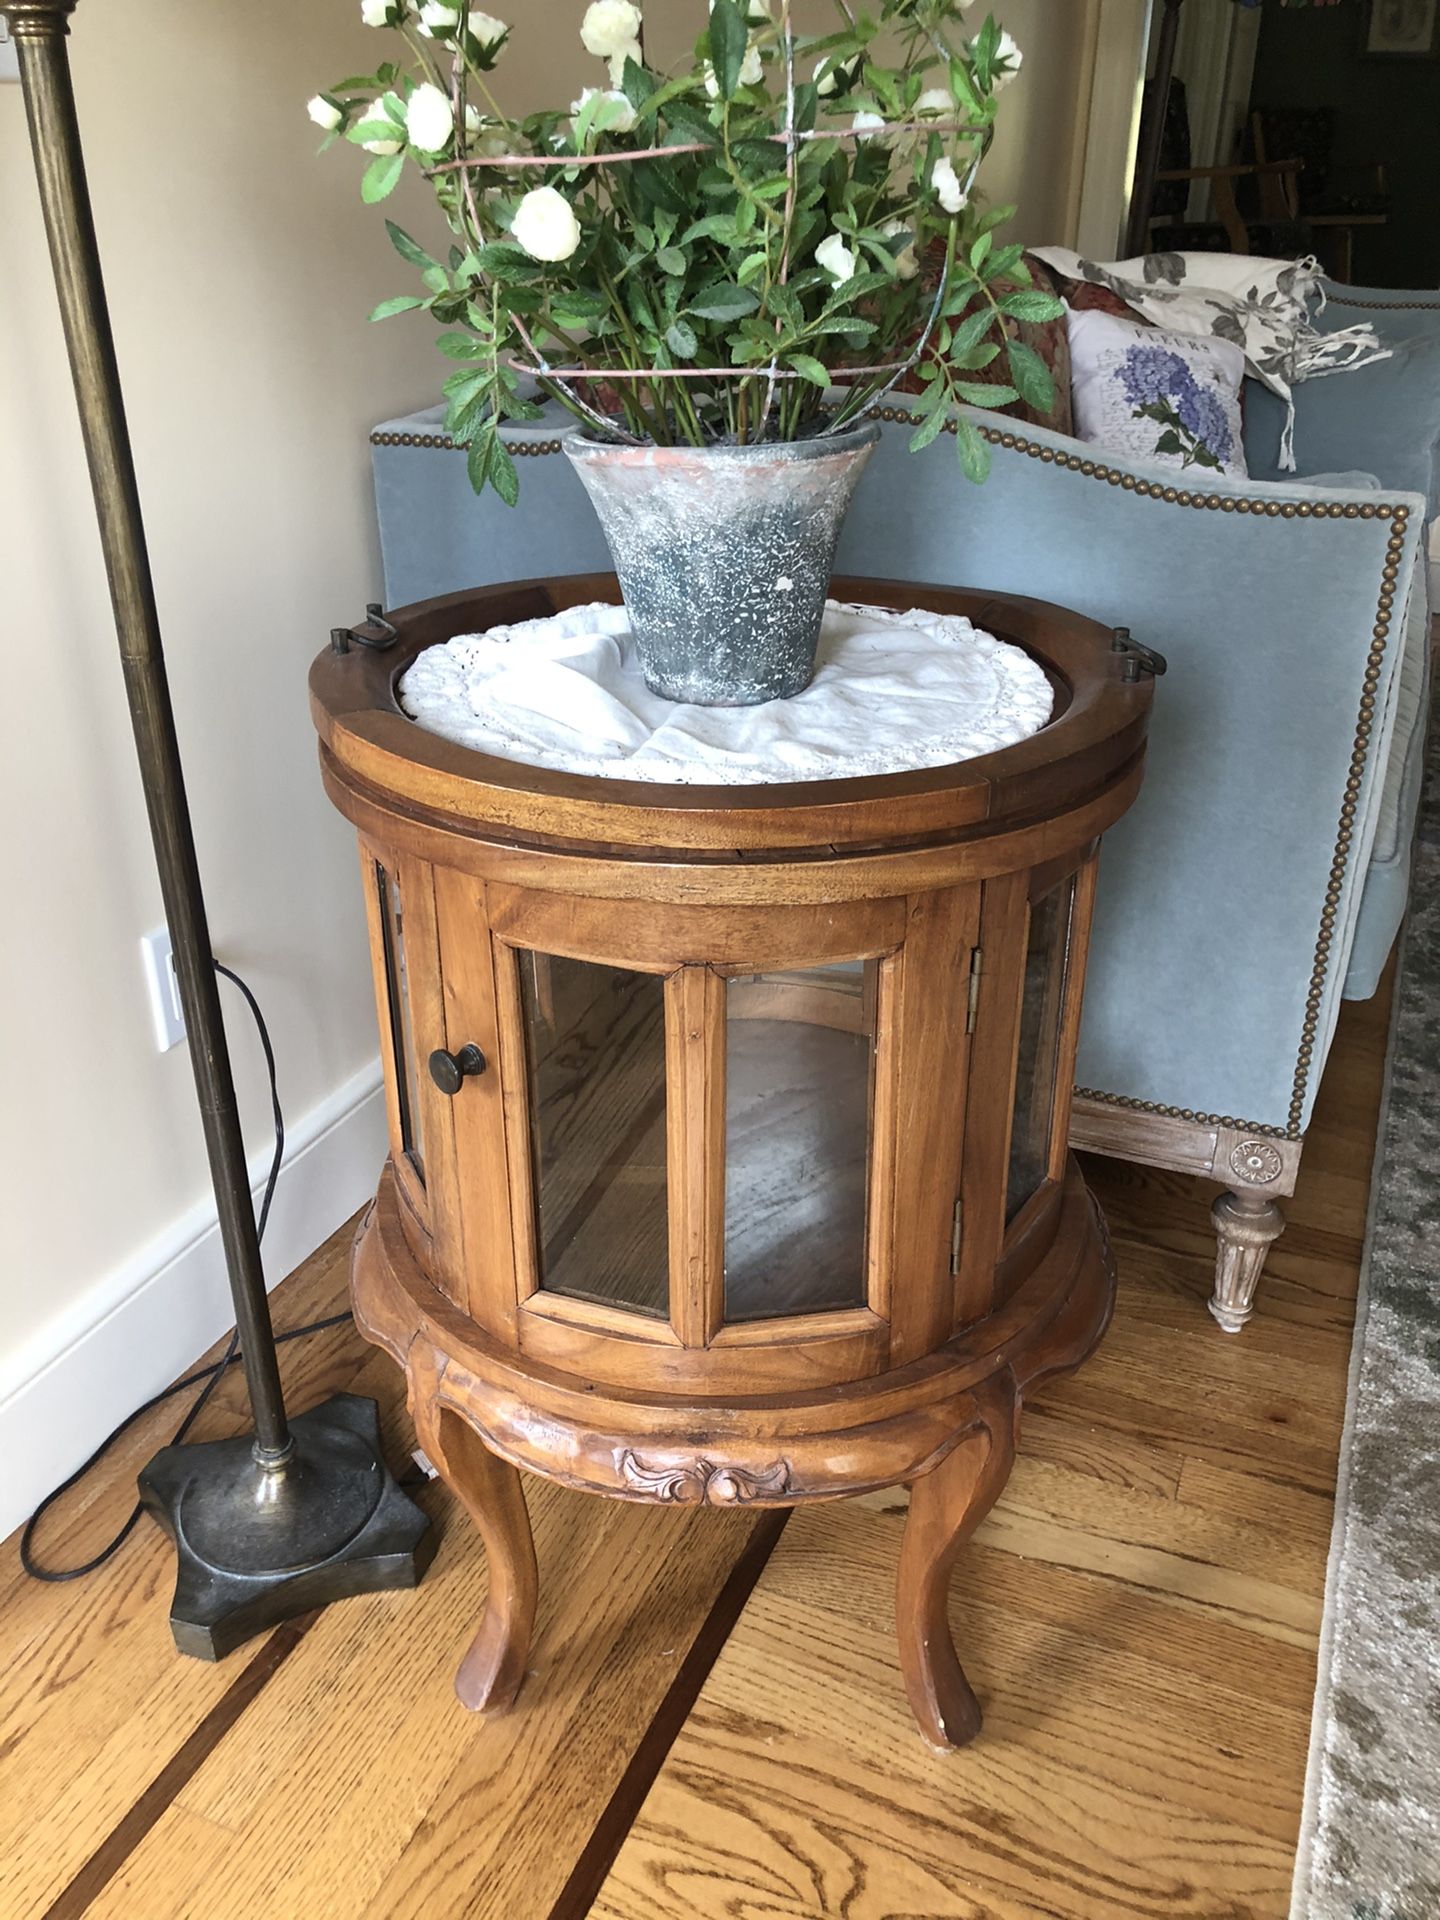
(892, 692)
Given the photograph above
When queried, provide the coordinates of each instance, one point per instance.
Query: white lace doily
(892, 692)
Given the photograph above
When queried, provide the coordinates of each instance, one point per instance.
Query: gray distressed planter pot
(724, 556)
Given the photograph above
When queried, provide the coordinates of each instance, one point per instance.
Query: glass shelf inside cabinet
(799, 1090)
(1047, 957)
(595, 1040)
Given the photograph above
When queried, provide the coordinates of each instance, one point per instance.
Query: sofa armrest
(1227, 897)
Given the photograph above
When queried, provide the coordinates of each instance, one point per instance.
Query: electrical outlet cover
(166, 1013)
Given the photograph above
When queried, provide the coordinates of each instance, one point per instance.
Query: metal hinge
(973, 1006)
(957, 1230)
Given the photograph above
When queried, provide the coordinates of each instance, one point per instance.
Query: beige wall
(240, 269)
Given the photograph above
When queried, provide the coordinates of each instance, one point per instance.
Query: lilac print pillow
(1167, 398)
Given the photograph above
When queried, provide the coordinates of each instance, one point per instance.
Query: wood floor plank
(1139, 1615)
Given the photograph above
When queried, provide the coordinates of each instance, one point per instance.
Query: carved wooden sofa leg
(493, 1494)
(1247, 1224)
(947, 1504)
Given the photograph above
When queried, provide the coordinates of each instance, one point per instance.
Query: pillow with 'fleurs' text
(1170, 399)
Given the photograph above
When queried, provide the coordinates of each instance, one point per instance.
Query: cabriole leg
(946, 1506)
(1247, 1224)
(492, 1670)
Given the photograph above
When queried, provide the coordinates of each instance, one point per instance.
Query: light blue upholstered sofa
(1261, 877)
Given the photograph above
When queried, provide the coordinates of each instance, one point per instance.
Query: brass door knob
(450, 1071)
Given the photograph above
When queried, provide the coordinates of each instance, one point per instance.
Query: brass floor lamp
(304, 1511)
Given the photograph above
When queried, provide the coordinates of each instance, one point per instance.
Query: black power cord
(207, 1378)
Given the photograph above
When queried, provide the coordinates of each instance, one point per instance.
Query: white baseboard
(147, 1320)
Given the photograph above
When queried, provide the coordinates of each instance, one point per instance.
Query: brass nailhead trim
(1345, 829)
(531, 449)
(1390, 306)
(1187, 1113)
(1154, 490)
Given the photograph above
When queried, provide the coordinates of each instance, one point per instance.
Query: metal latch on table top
(1137, 659)
(374, 631)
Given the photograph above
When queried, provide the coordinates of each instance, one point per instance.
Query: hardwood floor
(708, 1731)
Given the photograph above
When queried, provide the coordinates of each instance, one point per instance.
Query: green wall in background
(1386, 110)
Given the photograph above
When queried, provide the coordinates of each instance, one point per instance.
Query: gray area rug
(1370, 1842)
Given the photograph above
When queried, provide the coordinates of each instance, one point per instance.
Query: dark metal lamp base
(259, 1541)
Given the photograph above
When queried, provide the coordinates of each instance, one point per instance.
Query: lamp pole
(251, 1518)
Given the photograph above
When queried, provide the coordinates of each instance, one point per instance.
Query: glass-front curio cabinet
(728, 1126)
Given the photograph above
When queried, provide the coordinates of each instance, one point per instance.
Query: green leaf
(381, 177)
(978, 393)
(502, 472)
(461, 346)
(1032, 306)
(402, 303)
(929, 429)
(681, 340)
(973, 452)
(477, 457)
(1032, 377)
(996, 217)
(671, 260)
(636, 84)
(810, 367)
(729, 41)
(971, 331)
(723, 301)
(980, 249)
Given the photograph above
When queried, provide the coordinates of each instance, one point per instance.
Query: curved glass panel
(595, 1040)
(799, 1089)
(397, 988)
(1047, 957)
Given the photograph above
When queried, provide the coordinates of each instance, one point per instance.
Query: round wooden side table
(728, 1124)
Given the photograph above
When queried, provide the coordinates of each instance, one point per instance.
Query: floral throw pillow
(1171, 399)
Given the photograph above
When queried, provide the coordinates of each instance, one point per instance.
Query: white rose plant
(704, 290)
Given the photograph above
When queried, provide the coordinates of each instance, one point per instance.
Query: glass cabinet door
(799, 1090)
(402, 1025)
(595, 1044)
(1042, 1008)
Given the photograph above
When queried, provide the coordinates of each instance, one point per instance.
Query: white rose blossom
(866, 123)
(824, 78)
(324, 112)
(1008, 62)
(906, 264)
(429, 119)
(545, 225)
(438, 17)
(632, 50)
(375, 13)
(935, 100)
(752, 72)
(946, 182)
(375, 115)
(757, 14)
(485, 28)
(836, 258)
(622, 117)
(610, 27)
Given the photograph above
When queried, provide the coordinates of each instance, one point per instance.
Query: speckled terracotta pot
(724, 556)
